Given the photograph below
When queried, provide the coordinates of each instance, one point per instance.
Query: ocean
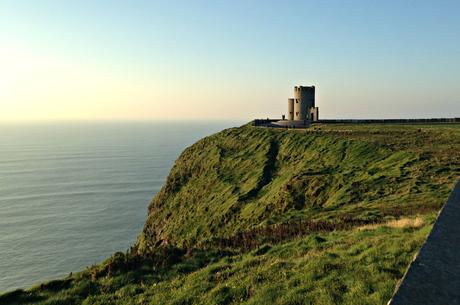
(72, 194)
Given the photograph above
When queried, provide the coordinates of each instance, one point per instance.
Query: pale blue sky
(227, 59)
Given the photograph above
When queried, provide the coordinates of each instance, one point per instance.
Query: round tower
(300, 109)
(304, 99)
(290, 109)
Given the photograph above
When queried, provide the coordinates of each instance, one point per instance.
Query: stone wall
(434, 275)
(389, 121)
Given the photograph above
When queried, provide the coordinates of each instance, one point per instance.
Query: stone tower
(290, 109)
(302, 106)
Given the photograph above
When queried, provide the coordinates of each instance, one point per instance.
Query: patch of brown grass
(416, 222)
(404, 222)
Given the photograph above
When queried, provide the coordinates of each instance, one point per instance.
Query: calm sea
(71, 194)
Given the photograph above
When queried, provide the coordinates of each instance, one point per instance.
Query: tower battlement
(303, 88)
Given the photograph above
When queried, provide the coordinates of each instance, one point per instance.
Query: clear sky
(109, 59)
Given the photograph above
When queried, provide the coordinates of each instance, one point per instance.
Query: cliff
(245, 178)
(331, 215)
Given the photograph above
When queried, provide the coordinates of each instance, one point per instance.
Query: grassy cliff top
(251, 178)
(328, 215)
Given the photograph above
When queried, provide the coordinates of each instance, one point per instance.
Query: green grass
(245, 177)
(263, 216)
(342, 267)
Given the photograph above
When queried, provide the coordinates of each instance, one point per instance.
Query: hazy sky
(91, 59)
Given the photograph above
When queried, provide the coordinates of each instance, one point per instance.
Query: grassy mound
(330, 215)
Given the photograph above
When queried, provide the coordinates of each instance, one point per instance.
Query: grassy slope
(246, 177)
(257, 216)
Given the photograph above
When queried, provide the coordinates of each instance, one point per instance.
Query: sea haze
(72, 194)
